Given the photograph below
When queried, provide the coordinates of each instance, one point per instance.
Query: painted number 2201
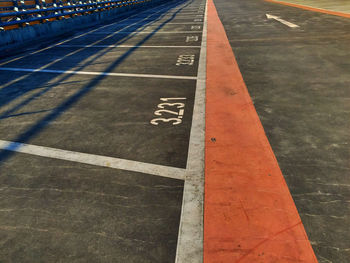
(169, 108)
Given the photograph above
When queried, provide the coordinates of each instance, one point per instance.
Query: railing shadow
(11, 92)
(8, 92)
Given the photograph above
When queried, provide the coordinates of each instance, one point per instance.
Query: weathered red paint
(249, 213)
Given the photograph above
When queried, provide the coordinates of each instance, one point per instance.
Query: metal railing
(19, 13)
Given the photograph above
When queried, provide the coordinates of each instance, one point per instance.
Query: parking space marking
(126, 46)
(190, 235)
(83, 34)
(183, 18)
(187, 59)
(191, 38)
(177, 106)
(190, 238)
(189, 13)
(148, 32)
(178, 15)
(92, 159)
(183, 12)
(70, 54)
(172, 23)
(97, 73)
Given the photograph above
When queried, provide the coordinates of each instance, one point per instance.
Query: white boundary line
(170, 23)
(92, 30)
(179, 18)
(179, 15)
(92, 159)
(148, 32)
(97, 73)
(71, 53)
(182, 16)
(190, 237)
(126, 46)
(182, 13)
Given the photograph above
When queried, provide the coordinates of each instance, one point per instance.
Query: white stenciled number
(177, 104)
(185, 60)
(167, 99)
(192, 38)
(175, 121)
(161, 110)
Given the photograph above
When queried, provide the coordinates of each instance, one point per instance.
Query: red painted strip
(319, 10)
(249, 213)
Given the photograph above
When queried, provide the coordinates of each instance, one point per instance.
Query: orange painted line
(314, 9)
(249, 214)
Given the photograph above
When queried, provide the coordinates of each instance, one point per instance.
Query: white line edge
(126, 46)
(190, 237)
(92, 159)
(97, 73)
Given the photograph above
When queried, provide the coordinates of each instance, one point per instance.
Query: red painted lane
(319, 10)
(249, 213)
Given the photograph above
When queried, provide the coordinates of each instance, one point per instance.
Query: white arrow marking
(282, 21)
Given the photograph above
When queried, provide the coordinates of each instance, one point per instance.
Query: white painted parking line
(177, 15)
(190, 238)
(179, 18)
(88, 32)
(170, 23)
(126, 46)
(188, 14)
(182, 16)
(181, 13)
(147, 32)
(97, 73)
(92, 159)
(62, 42)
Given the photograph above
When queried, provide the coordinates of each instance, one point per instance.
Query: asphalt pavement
(95, 135)
(102, 133)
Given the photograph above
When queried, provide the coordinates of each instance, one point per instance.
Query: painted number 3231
(170, 110)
